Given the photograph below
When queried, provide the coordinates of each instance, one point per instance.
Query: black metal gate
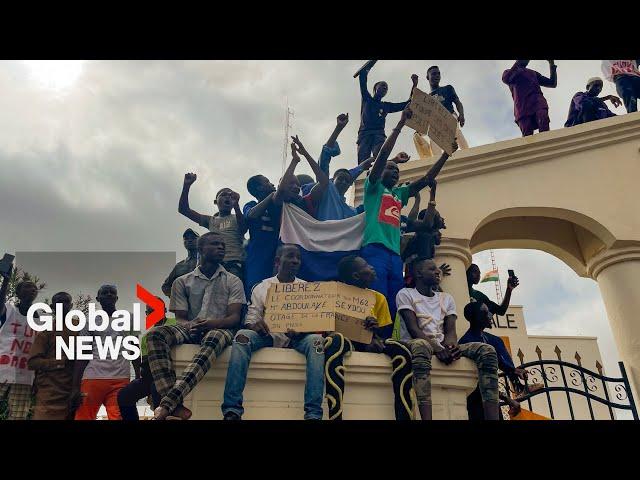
(574, 379)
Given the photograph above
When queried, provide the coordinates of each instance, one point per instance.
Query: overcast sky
(93, 154)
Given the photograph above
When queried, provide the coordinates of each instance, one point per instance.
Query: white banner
(16, 339)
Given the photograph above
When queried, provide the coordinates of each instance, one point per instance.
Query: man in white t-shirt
(256, 335)
(16, 338)
(427, 324)
(97, 382)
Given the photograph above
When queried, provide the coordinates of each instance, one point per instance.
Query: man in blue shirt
(479, 317)
(333, 205)
(373, 113)
(263, 218)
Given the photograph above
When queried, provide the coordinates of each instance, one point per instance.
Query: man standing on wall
(530, 108)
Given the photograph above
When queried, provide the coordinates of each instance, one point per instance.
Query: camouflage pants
(482, 354)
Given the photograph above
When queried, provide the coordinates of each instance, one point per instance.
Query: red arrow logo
(155, 303)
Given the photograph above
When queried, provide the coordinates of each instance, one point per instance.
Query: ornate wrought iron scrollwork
(550, 373)
(576, 378)
(581, 381)
(591, 384)
(535, 375)
(621, 392)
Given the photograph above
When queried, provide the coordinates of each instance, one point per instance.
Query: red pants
(100, 391)
(539, 120)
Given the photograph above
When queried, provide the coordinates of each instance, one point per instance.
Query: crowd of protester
(218, 293)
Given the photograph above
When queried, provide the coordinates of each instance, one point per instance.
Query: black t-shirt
(374, 112)
(478, 296)
(447, 96)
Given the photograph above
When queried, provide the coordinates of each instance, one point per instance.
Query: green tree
(19, 275)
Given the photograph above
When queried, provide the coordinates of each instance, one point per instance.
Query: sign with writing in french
(320, 307)
(431, 118)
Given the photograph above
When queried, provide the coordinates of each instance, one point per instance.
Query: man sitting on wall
(354, 270)
(256, 335)
(426, 323)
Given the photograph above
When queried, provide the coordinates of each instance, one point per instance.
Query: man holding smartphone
(473, 278)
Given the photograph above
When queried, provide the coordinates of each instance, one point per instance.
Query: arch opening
(570, 236)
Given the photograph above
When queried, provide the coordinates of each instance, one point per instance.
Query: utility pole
(497, 283)
(288, 115)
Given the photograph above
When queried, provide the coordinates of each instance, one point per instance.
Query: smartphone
(6, 263)
(511, 274)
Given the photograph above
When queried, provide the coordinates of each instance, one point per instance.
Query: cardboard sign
(431, 118)
(320, 307)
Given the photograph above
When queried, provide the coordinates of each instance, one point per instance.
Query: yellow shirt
(381, 310)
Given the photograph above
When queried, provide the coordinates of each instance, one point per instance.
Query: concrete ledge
(275, 386)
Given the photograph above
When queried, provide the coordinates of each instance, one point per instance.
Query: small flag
(491, 276)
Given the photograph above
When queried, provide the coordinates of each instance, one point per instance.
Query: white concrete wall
(275, 386)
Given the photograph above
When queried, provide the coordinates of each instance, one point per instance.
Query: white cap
(593, 80)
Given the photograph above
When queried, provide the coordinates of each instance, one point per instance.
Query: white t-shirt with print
(430, 312)
(119, 368)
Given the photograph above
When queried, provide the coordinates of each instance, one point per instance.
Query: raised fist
(190, 178)
(402, 157)
(414, 79)
(342, 120)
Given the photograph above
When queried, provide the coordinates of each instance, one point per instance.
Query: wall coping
(524, 150)
(462, 374)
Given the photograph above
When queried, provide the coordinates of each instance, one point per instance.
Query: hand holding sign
(430, 117)
(320, 307)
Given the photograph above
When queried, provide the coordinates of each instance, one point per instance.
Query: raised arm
(427, 221)
(363, 78)
(243, 226)
(341, 121)
(258, 210)
(4, 289)
(550, 82)
(512, 283)
(287, 177)
(419, 184)
(331, 148)
(413, 213)
(396, 107)
(183, 204)
(385, 151)
(321, 177)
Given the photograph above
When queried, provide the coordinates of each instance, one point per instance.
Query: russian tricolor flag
(322, 243)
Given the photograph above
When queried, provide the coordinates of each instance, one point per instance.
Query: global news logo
(81, 347)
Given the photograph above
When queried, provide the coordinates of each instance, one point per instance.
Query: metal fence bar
(606, 391)
(625, 380)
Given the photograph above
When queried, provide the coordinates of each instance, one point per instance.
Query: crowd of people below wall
(412, 320)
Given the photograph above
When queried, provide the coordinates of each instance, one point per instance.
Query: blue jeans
(310, 345)
(388, 267)
(628, 88)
